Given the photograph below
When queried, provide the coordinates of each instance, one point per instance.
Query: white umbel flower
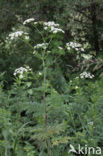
(41, 46)
(51, 26)
(28, 21)
(35, 23)
(90, 123)
(56, 30)
(40, 73)
(16, 34)
(20, 71)
(26, 37)
(86, 75)
(20, 76)
(76, 87)
(75, 46)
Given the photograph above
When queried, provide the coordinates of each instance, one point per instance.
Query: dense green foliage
(51, 93)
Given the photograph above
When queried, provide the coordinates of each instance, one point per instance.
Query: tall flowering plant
(48, 50)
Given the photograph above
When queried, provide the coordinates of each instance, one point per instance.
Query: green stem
(48, 148)
(39, 33)
(44, 102)
(44, 97)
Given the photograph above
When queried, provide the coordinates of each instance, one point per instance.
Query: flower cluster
(16, 34)
(86, 75)
(26, 38)
(40, 73)
(91, 123)
(76, 87)
(41, 46)
(51, 24)
(52, 27)
(87, 57)
(75, 46)
(35, 23)
(28, 21)
(20, 71)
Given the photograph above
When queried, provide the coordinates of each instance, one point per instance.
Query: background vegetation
(56, 98)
